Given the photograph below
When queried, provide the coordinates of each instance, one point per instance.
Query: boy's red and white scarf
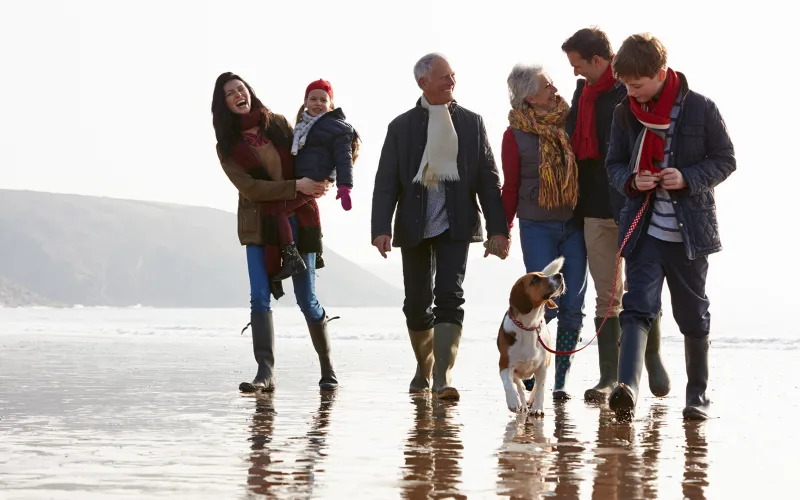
(655, 116)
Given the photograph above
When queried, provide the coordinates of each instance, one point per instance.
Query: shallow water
(140, 403)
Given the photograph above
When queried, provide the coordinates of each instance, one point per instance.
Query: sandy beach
(138, 403)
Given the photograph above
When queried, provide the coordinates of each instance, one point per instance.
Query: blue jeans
(304, 289)
(543, 242)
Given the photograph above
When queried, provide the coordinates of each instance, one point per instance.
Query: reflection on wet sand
(525, 459)
(433, 451)
(531, 465)
(568, 454)
(651, 452)
(695, 468)
(627, 468)
(268, 473)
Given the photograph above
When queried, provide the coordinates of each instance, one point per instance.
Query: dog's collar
(536, 329)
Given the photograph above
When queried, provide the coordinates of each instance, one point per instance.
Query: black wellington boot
(263, 342)
(698, 406)
(322, 344)
(291, 263)
(656, 373)
(608, 354)
(624, 396)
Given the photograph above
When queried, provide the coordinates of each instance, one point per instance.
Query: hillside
(71, 249)
(13, 295)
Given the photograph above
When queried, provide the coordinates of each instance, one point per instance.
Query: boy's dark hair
(640, 56)
(589, 42)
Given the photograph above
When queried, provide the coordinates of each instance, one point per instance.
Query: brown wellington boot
(422, 342)
(446, 338)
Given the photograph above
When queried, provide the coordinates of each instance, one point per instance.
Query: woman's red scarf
(307, 215)
(655, 116)
(584, 139)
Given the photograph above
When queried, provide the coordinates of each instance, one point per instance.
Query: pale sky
(113, 98)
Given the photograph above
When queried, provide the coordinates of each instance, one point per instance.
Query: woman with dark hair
(253, 146)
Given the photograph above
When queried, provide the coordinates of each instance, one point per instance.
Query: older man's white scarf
(440, 158)
(301, 130)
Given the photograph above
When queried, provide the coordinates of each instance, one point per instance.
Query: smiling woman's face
(237, 97)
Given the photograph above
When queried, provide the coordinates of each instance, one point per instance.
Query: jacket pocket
(692, 129)
(248, 219)
(529, 190)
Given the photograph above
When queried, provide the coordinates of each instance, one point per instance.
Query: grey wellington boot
(446, 338)
(608, 354)
(263, 342)
(656, 373)
(422, 343)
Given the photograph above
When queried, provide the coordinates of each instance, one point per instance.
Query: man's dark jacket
(701, 150)
(399, 163)
(597, 198)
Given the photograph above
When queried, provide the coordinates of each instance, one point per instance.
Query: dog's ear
(551, 304)
(519, 300)
(554, 267)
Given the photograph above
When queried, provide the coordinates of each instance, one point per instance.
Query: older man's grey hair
(423, 67)
(523, 81)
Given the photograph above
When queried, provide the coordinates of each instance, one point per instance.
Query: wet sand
(130, 405)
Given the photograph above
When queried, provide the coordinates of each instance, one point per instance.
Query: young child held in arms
(325, 147)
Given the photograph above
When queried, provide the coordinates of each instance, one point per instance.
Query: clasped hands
(669, 178)
(498, 245)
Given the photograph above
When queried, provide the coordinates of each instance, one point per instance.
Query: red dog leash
(613, 289)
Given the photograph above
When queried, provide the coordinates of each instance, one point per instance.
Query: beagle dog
(521, 355)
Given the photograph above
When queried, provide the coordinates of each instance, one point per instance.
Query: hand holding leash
(645, 181)
(672, 178)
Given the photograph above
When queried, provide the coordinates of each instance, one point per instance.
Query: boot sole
(249, 388)
(448, 393)
(621, 401)
(561, 395)
(596, 395)
(692, 413)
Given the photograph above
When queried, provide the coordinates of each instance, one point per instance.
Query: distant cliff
(69, 249)
(13, 295)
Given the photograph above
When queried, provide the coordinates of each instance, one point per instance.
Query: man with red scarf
(669, 149)
(599, 204)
